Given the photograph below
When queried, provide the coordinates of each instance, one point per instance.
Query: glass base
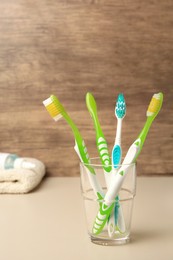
(110, 242)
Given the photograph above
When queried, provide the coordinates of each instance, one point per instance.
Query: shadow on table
(144, 235)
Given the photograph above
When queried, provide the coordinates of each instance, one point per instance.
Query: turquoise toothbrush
(120, 111)
(57, 111)
(131, 157)
(100, 139)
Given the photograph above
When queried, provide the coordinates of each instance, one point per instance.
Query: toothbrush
(131, 157)
(120, 111)
(100, 139)
(57, 111)
(103, 153)
(117, 218)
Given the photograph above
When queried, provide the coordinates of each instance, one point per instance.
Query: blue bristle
(120, 108)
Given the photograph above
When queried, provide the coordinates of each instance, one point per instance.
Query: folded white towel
(22, 180)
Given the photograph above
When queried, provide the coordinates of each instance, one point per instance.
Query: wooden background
(71, 47)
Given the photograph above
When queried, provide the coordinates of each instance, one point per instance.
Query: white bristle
(157, 96)
(56, 118)
(47, 102)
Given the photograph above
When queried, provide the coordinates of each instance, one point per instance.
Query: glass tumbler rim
(99, 164)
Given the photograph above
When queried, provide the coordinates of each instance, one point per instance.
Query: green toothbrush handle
(139, 142)
(82, 152)
(102, 217)
(100, 139)
(80, 146)
(104, 153)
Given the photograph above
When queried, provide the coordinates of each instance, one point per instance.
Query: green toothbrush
(57, 111)
(100, 139)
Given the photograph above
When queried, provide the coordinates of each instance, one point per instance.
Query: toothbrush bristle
(155, 104)
(120, 109)
(53, 107)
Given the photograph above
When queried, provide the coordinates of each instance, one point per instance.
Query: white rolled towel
(22, 179)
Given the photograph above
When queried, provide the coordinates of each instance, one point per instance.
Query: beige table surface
(49, 223)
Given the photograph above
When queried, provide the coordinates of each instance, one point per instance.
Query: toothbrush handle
(84, 157)
(117, 151)
(102, 217)
(118, 132)
(107, 207)
(103, 153)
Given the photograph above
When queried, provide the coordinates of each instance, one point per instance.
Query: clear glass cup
(117, 228)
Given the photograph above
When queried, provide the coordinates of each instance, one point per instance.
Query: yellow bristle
(154, 105)
(54, 111)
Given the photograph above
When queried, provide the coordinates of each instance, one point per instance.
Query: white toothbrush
(117, 219)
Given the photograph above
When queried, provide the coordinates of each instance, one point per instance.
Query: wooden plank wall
(71, 47)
